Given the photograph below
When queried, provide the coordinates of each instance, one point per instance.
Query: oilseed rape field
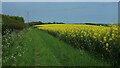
(99, 40)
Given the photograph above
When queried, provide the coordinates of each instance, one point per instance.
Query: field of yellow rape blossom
(103, 40)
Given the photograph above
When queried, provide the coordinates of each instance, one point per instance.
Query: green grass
(38, 48)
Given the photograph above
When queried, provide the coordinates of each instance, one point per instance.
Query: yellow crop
(89, 33)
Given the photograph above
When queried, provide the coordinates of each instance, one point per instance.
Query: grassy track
(43, 49)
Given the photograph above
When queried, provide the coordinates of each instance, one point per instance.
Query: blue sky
(60, 0)
(74, 12)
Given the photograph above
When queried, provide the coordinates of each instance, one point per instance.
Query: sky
(60, 0)
(72, 12)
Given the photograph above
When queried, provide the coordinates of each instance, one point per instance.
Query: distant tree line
(96, 24)
(35, 23)
(40, 23)
(55, 23)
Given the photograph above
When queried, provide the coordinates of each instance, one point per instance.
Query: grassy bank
(32, 47)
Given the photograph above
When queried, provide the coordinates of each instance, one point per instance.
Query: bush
(12, 23)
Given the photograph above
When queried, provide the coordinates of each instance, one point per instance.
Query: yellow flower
(107, 44)
(105, 39)
(95, 33)
(110, 39)
(106, 48)
(116, 28)
(81, 36)
(113, 35)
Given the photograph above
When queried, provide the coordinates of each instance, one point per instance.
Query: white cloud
(60, 0)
